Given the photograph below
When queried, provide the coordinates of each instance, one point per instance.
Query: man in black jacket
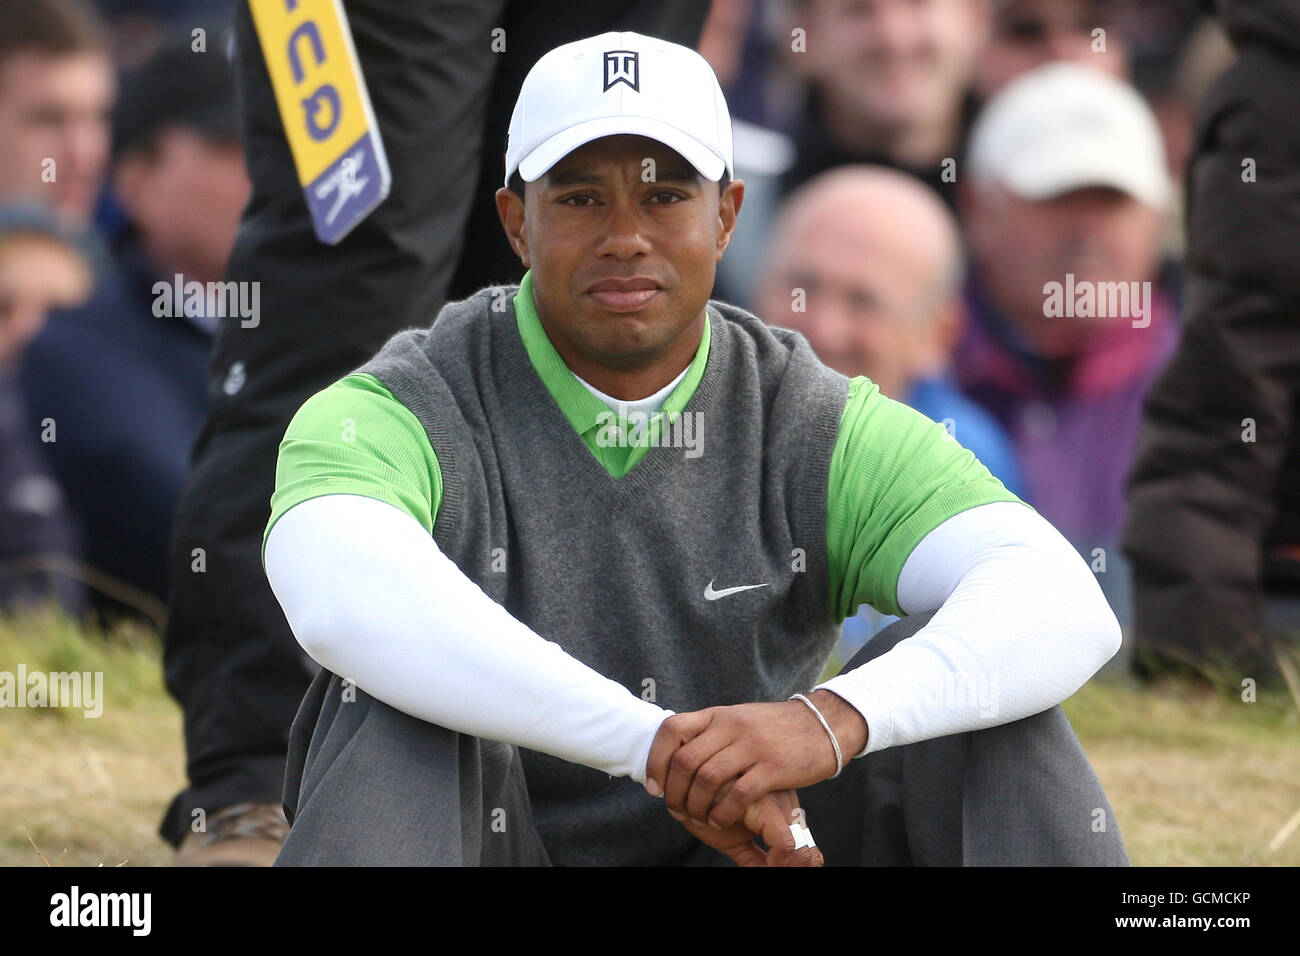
(1213, 527)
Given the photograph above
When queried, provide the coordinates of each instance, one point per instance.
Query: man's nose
(824, 326)
(86, 146)
(624, 231)
(1066, 44)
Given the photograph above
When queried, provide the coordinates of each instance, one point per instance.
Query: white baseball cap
(619, 83)
(1066, 126)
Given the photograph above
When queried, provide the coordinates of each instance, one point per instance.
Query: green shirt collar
(579, 406)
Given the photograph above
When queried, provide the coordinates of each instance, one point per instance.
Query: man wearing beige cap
(573, 557)
(1063, 200)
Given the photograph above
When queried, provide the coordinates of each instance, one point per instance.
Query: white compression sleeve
(1021, 625)
(370, 597)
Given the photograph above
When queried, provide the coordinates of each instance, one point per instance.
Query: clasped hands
(728, 774)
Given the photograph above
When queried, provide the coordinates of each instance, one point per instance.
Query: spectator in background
(867, 264)
(886, 82)
(125, 376)
(1213, 526)
(140, 27)
(1176, 60)
(56, 93)
(889, 83)
(1063, 206)
(1166, 48)
(750, 68)
(41, 266)
(1029, 33)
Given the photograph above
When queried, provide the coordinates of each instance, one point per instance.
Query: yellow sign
(325, 109)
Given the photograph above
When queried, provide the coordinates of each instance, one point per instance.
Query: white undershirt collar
(649, 405)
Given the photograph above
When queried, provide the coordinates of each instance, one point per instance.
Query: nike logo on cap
(712, 595)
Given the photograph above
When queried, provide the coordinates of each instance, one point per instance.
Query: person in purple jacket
(1063, 202)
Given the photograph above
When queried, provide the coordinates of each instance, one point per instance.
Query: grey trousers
(368, 785)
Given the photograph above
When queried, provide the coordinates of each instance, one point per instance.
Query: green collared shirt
(590, 417)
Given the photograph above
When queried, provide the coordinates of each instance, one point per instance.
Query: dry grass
(87, 791)
(1195, 778)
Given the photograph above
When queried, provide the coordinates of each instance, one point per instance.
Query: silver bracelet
(839, 757)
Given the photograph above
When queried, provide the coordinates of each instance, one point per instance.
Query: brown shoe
(243, 834)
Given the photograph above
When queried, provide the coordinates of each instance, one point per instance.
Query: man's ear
(950, 323)
(729, 204)
(510, 209)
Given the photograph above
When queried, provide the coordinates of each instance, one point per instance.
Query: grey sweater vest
(615, 570)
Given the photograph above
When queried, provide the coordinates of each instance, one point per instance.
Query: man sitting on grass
(537, 618)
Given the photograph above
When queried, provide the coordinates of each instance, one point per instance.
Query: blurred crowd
(978, 204)
(120, 155)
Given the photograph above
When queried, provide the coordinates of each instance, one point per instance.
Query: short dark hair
(54, 27)
(174, 88)
(516, 184)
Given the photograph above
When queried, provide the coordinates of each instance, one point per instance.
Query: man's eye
(45, 117)
(666, 198)
(575, 200)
